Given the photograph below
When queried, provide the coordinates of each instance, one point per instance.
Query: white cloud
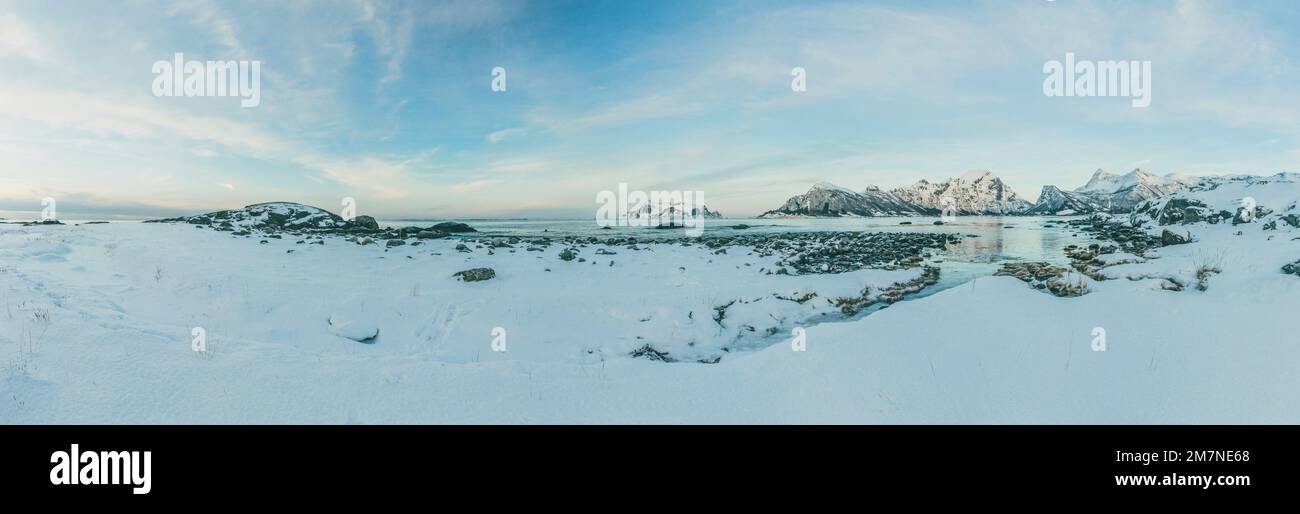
(502, 135)
(16, 38)
(475, 185)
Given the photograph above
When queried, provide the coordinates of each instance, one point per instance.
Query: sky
(391, 104)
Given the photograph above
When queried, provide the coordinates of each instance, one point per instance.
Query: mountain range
(1107, 192)
(983, 193)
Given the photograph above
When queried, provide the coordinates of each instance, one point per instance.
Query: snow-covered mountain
(983, 193)
(273, 215)
(826, 199)
(1052, 200)
(672, 211)
(1108, 192)
(977, 192)
(1270, 201)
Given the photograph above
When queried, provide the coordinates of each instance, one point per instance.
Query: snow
(971, 177)
(1106, 183)
(976, 192)
(362, 329)
(832, 187)
(103, 335)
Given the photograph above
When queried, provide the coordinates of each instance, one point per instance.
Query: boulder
(476, 274)
(1168, 238)
(354, 327)
(451, 227)
(366, 222)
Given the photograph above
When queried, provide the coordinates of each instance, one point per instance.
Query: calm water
(999, 238)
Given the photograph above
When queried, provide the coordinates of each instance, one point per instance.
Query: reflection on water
(997, 238)
(990, 241)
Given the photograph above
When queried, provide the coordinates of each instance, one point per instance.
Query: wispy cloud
(504, 134)
(388, 101)
(473, 186)
(17, 39)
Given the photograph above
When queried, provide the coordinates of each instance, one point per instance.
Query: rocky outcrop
(1041, 275)
(828, 200)
(451, 227)
(270, 216)
(1055, 201)
(1180, 211)
(975, 193)
(275, 218)
(476, 274)
(1109, 193)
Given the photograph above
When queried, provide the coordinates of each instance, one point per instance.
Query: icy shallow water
(998, 238)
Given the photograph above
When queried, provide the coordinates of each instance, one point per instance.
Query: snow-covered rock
(1052, 200)
(354, 326)
(1270, 202)
(274, 216)
(975, 193)
(826, 199)
(1109, 193)
(673, 211)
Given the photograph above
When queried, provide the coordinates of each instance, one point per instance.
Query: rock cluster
(1044, 276)
(276, 218)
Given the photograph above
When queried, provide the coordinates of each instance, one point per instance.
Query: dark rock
(475, 274)
(1290, 219)
(1168, 238)
(649, 352)
(1044, 276)
(365, 222)
(451, 227)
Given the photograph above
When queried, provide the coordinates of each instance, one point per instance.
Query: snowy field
(97, 327)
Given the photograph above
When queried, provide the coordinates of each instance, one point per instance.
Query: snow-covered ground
(97, 327)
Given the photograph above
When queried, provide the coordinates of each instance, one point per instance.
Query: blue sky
(389, 102)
